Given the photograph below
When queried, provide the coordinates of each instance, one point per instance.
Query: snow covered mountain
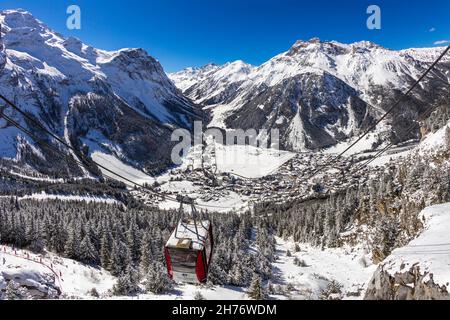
(318, 92)
(119, 102)
(212, 84)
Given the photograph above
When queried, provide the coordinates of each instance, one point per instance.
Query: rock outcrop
(409, 285)
(38, 285)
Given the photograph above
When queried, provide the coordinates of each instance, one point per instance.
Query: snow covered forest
(129, 242)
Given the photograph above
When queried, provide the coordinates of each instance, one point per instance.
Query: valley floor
(349, 267)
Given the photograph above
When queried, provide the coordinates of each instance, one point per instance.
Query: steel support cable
(427, 112)
(396, 104)
(65, 156)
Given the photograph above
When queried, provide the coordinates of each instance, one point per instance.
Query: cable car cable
(42, 142)
(396, 104)
(211, 206)
(426, 113)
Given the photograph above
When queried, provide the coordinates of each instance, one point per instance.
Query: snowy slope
(51, 273)
(346, 266)
(113, 164)
(188, 77)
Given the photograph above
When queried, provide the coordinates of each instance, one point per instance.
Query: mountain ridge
(120, 101)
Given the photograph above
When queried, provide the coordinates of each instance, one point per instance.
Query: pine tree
(105, 251)
(122, 286)
(264, 266)
(146, 254)
(128, 257)
(386, 234)
(36, 237)
(237, 276)
(256, 290)
(133, 279)
(447, 138)
(270, 288)
(157, 280)
(115, 265)
(88, 253)
(72, 246)
(132, 238)
(217, 275)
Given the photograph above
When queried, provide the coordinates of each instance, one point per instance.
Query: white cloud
(442, 42)
(432, 29)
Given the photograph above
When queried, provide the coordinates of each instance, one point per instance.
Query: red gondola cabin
(189, 250)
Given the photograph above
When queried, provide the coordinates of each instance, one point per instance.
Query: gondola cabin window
(183, 260)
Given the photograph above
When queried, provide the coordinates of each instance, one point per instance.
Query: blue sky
(182, 33)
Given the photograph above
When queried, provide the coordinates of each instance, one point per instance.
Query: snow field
(343, 265)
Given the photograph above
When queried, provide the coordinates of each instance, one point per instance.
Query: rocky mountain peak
(19, 18)
(135, 60)
(366, 44)
(316, 46)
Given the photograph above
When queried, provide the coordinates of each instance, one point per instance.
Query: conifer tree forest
(128, 242)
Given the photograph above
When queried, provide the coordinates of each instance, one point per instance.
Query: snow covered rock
(212, 84)
(437, 141)
(40, 285)
(408, 285)
(420, 269)
(311, 111)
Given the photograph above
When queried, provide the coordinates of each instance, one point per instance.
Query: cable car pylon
(194, 213)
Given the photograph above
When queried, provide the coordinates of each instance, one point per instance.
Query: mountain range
(319, 93)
